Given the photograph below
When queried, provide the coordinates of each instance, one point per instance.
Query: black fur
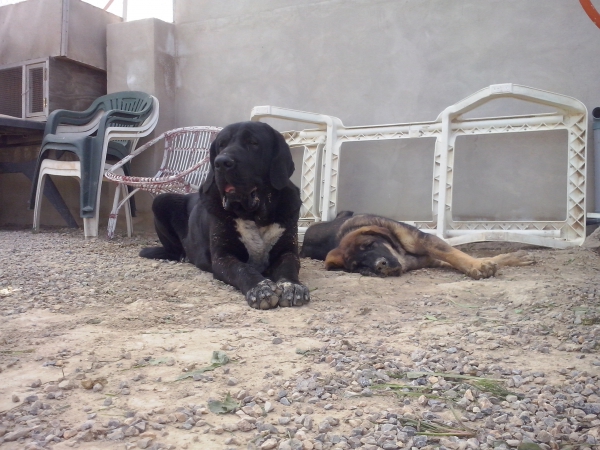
(248, 181)
(322, 237)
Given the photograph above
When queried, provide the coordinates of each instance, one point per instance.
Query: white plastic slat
(319, 195)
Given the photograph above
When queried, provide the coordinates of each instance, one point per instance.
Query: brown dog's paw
(293, 294)
(519, 258)
(265, 295)
(484, 269)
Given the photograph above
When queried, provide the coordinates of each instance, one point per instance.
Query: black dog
(243, 225)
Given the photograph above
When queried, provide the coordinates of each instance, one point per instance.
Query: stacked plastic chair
(109, 128)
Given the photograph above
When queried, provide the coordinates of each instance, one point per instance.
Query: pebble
(268, 444)
(66, 385)
(291, 444)
(341, 377)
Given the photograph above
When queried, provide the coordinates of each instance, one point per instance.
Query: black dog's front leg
(284, 271)
(260, 292)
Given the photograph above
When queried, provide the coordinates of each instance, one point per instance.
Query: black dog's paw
(265, 295)
(293, 294)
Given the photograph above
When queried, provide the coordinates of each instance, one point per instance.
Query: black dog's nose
(381, 264)
(224, 162)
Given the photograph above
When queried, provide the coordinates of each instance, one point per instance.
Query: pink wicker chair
(183, 169)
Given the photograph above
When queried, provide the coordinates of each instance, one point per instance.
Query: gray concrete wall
(385, 61)
(147, 63)
(367, 62)
(41, 28)
(87, 33)
(16, 44)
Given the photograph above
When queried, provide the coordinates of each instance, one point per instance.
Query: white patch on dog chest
(258, 241)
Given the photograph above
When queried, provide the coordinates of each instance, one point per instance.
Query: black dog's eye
(253, 142)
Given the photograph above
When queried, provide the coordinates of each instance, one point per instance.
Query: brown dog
(375, 245)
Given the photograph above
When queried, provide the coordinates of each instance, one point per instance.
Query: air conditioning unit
(24, 91)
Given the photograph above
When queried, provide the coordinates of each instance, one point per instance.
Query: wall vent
(35, 90)
(24, 91)
(11, 87)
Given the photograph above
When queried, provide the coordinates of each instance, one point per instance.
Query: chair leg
(90, 226)
(39, 194)
(127, 211)
(114, 214)
(112, 218)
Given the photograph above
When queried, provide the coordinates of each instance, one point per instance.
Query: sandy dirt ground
(78, 313)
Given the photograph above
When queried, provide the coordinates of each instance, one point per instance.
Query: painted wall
(41, 28)
(388, 61)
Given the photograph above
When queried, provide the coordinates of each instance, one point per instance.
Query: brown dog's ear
(210, 177)
(378, 231)
(334, 259)
(282, 165)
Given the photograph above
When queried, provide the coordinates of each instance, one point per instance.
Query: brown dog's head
(247, 161)
(370, 251)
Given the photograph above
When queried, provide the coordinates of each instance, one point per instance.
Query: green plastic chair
(83, 133)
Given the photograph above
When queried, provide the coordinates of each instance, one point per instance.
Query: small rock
(144, 442)
(291, 444)
(68, 434)
(18, 434)
(245, 426)
(180, 417)
(268, 444)
(544, 436)
(277, 341)
(116, 435)
(15, 398)
(31, 399)
(232, 381)
(66, 385)
(324, 426)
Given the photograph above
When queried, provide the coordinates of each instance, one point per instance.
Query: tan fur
(430, 250)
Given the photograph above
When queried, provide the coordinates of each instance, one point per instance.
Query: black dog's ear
(210, 177)
(282, 165)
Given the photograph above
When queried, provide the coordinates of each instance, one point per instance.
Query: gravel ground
(100, 349)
